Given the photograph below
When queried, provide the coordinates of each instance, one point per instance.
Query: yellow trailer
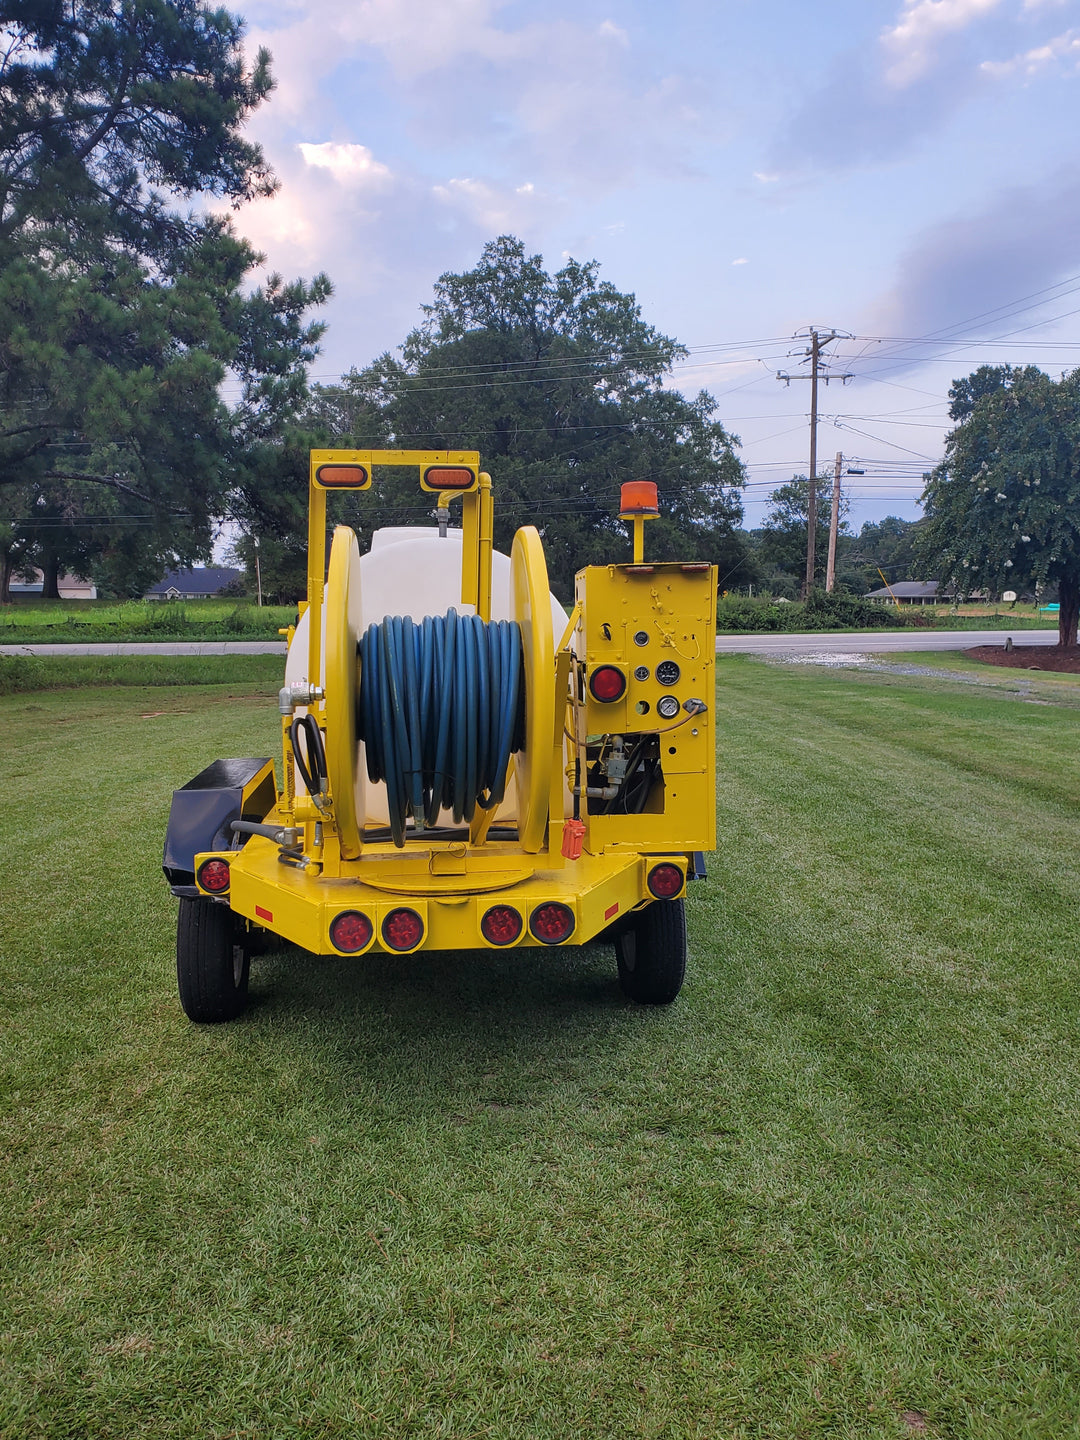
(464, 766)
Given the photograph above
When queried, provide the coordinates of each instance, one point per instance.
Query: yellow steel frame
(451, 884)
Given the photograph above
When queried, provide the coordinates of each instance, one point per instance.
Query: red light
(665, 881)
(607, 683)
(501, 925)
(214, 876)
(402, 930)
(448, 477)
(552, 923)
(342, 477)
(350, 931)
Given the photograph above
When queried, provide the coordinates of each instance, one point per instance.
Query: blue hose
(440, 711)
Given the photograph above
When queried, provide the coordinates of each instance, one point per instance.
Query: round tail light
(607, 683)
(402, 930)
(501, 925)
(213, 875)
(665, 881)
(350, 931)
(552, 923)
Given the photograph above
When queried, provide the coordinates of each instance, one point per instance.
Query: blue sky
(907, 171)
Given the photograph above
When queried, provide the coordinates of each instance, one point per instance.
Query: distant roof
(207, 580)
(906, 590)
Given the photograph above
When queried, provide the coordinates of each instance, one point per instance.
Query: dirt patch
(1030, 657)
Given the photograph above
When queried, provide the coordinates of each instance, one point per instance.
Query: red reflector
(264, 914)
(449, 477)
(640, 569)
(611, 910)
(552, 923)
(402, 929)
(607, 683)
(501, 925)
(350, 931)
(341, 477)
(214, 876)
(665, 881)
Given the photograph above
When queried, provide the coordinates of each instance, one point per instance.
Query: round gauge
(667, 707)
(641, 673)
(641, 637)
(667, 672)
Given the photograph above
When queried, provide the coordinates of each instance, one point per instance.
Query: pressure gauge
(667, 672)
(641, 673)
(641, 637)
(667, 707)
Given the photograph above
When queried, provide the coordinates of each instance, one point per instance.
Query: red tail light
(501, 925)
(350, 931)
(552, 923)
(607, 683)
(213, 875)
(665, 881)
(402, 930)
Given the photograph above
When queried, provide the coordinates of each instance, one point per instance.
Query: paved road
(168, 647)
(876, 643)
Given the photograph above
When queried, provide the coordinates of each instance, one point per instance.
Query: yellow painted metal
(343, 690)
(316, 570)
(531, 608)
(300, 906)
(670, 609)
(485, 545)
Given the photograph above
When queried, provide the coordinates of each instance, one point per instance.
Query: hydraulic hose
(440, 711)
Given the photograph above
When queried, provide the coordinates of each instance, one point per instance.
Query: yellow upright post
(484, 547)
(316, 572)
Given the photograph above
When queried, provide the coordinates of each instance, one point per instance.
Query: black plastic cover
(202, 811)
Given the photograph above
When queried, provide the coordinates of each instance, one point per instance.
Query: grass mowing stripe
(22, 674)
(832, 1187)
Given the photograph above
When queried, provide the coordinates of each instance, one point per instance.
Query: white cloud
(348, 163)
(742, 260)
(610, 31)
(1063, 48)
(495, 209)
(766, 177)
(922, 24)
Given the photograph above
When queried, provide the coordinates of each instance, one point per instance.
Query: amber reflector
(449, 477)
(638, 497)
(350, 931)
(665, 881)
(341, 477)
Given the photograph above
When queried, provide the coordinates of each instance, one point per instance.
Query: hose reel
(441, 704)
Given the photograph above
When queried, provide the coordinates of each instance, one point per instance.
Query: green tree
(1003, 507)
(888, 546)
(121, 309)
(559, 383)
(781, 539)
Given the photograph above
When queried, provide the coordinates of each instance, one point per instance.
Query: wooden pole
(811, 495)
(834, 525)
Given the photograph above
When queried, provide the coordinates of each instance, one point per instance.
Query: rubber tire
(651, 953)
(212, 964)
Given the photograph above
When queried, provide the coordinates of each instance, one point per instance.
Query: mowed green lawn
(834, 1190)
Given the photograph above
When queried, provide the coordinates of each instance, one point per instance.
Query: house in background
(70, 587)
(199, 584)
(909, 592)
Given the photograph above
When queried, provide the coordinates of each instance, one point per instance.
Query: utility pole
(834, 525)
(818, 341)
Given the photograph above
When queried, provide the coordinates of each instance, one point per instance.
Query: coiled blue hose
(440, 710)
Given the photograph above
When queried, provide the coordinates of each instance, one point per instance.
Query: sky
(904, 172)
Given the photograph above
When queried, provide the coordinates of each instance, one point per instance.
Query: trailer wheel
(212, 962)
(651, 953)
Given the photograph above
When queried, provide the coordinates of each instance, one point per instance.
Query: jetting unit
(464, 765)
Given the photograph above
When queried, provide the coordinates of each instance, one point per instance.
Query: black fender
(203, 810)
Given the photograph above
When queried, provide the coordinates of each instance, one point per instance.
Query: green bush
(838, 611)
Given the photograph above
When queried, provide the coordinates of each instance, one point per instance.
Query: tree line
(125, 304)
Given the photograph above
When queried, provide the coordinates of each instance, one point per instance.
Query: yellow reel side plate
(531, 601)
(342, 672)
